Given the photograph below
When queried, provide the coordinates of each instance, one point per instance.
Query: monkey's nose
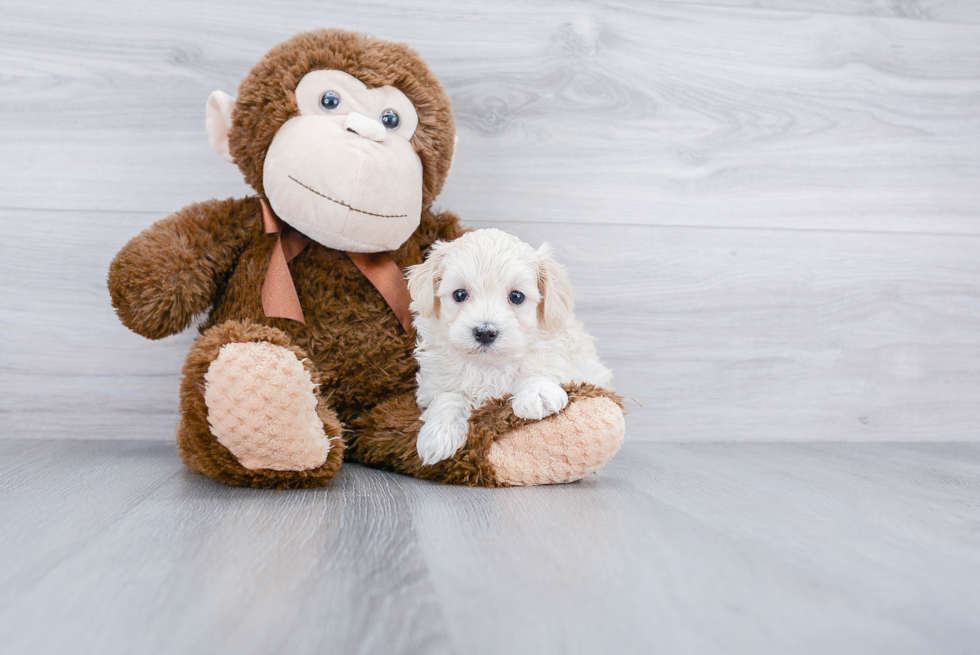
(363, 126)
(484, 335)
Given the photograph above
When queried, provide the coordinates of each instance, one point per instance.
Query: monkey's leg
(250, 414)
(501, 449)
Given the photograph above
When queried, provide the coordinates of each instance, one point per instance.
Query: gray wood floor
(113, 547)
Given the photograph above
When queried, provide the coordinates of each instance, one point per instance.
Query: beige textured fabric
(561, 448)
(217, 122)
(262, 407)
(338, 176)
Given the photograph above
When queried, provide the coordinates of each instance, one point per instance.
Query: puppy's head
(490, 294)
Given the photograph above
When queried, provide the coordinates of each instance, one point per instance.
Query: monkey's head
(347, 136)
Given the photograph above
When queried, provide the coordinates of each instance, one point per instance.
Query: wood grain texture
(956, 11)
(654, 113)
(124, 536)
(111, 547)
(750, 335)
(771, 215)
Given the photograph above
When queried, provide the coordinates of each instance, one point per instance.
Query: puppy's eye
(516, 297)
(330, 101)
(459, 295)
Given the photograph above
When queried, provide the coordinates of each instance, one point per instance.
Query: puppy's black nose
(484, 335)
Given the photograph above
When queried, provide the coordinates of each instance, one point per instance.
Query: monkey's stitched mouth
(344, 204)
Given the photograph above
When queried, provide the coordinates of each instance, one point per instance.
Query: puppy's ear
(423, 282)
(557, 294)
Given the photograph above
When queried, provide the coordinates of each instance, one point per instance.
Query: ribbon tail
(279, 297)
(382, 271)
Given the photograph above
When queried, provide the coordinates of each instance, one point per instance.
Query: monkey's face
(347, 136)
(344, 172)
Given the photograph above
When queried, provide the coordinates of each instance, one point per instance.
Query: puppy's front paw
(539, 398)
(439, 440)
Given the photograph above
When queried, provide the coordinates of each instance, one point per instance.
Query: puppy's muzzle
(484, 335)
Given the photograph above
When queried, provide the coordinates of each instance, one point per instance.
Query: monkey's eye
(516, 297)
(459, 295)
(330, 100)
(389, 118)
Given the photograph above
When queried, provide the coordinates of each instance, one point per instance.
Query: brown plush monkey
(305, 356)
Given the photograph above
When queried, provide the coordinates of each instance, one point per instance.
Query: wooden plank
(757, 335)
(69, 494)
(709, 548)
(181, 564)
(706, 544)
(956, 11)
(659, 113)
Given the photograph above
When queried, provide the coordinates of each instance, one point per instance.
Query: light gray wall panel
(760, 207)
(720, 334)
(652, 113)
(957, 11)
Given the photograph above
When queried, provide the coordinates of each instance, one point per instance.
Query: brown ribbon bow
(279, 297)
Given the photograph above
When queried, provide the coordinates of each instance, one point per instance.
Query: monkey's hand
(170, 272)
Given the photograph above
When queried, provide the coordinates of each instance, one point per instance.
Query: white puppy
(494, 317)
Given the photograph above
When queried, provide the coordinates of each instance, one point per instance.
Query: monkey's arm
(171, 271)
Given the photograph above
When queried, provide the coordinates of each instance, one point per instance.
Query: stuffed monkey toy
(305, 354)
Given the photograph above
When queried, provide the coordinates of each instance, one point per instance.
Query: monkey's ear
(217, 122)
(423, 280)
(557, 293)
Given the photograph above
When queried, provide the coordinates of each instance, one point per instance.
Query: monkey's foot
(562, 448)
(250, 413)
(501, 449)
(262, 407)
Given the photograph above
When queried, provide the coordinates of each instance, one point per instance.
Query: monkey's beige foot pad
(562, 448)
(262, 407)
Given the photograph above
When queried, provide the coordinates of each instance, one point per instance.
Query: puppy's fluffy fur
(494, 317)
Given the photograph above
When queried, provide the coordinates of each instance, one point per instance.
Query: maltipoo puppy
(494, 317)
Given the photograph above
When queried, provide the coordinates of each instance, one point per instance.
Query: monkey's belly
(351, 334)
